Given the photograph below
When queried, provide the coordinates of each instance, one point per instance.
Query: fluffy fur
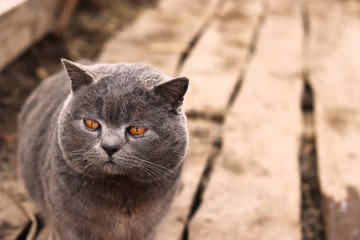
(82, 191)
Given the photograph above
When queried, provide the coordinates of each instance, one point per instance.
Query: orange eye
(92, 124)
(137, 130)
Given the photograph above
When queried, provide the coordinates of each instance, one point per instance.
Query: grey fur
(67, 173)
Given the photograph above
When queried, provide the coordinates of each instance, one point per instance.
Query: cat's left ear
(78, 74)
(173, 90)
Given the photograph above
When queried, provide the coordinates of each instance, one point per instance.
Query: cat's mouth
(111, 163)
(112, 167)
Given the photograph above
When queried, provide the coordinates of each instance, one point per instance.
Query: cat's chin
(112, 169)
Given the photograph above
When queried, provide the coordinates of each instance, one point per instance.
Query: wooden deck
(22, 23)
(251, 64)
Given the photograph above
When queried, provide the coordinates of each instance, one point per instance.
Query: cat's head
(123, 119)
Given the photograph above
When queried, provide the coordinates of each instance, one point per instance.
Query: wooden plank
(12, 218)
(6, 6)
(202, 134)
(335, 77)
(254, 191)
(22, 25)
(160, 35)
(44, 234)
(215, 64)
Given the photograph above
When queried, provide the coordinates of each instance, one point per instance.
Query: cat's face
(123, 120)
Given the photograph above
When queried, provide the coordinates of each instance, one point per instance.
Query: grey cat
(102, 148)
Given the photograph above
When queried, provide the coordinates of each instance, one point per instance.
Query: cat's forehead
(126, 107)
(116, 108)
(122, 93)
(128, 76)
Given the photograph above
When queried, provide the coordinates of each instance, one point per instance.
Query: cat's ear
(79, 75)
(173, 90)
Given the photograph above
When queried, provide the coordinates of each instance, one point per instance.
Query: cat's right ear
(78, 74)
(174, 90)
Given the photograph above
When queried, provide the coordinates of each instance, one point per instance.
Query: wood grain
(215, 64)
(254, 191)
(13, 200)
(159, 36)
(335, 77)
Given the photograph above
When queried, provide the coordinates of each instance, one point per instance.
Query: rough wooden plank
(12, 218)
(23, 25)
(215, 64)
(160, 35)
(44, 234)
(202, 134)
(254, 191)
(335, 77)
(6, 6)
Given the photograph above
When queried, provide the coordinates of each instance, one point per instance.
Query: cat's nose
(110, 149)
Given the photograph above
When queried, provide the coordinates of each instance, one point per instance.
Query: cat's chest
(109, 199)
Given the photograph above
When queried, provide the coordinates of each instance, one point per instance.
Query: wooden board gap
(207, 23)
(251, 51)
(205, 177)
(311, 199)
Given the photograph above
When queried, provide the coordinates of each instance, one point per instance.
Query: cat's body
(108, 182)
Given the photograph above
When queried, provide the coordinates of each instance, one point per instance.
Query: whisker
(166, 179)
(161, 184)
(166, 175)
(151, 163)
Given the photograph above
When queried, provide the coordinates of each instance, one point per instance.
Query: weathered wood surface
(6, 6)
(215, 64)
(23, 24)
(44, 234)
(160, 36)
(254, 191)
(12, 218)
(335, 76)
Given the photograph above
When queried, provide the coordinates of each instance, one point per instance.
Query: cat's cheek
(74, 139)
(142, 145)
